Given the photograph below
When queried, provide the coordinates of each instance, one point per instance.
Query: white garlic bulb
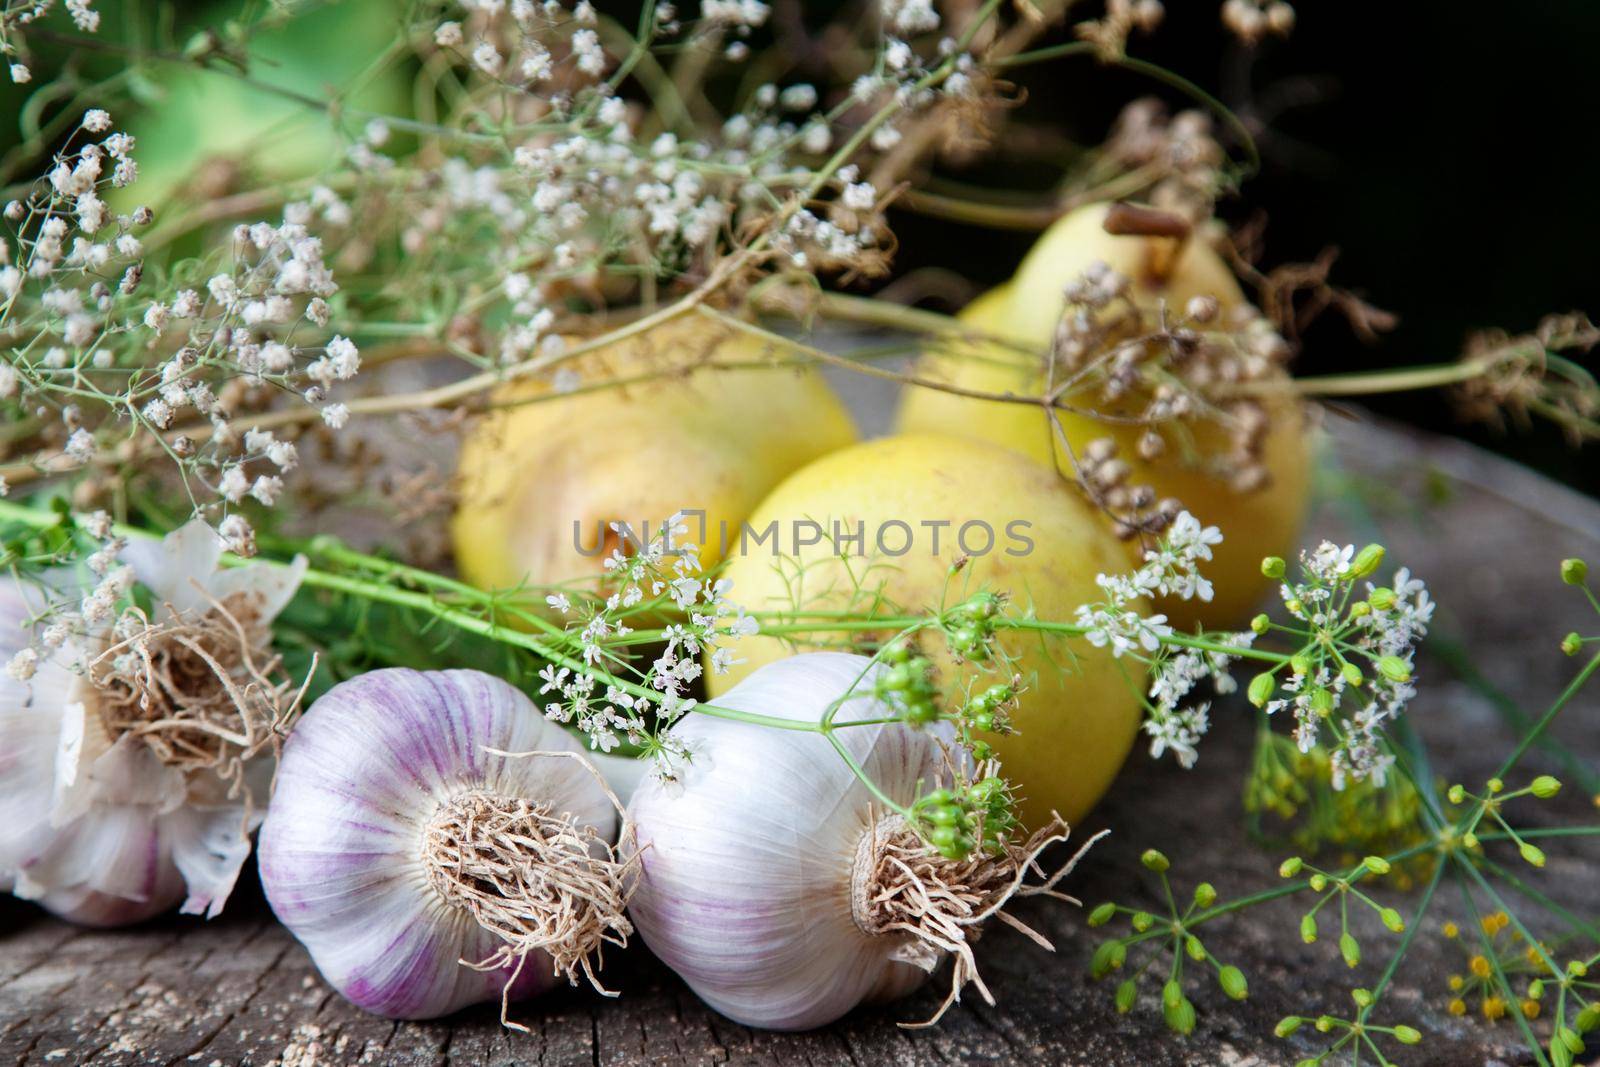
(774, 882)
(107, 815)
(422, 862)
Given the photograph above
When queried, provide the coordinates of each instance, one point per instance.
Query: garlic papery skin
(748, 859)
(107, 817)
(401, 815)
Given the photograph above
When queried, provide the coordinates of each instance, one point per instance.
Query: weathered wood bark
(1486, 535)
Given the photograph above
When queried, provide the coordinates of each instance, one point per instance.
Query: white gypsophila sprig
(661, 572)
(183, 361)
(16, 16)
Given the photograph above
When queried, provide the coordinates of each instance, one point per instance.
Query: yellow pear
(1260, 522)
(712, 419)
(1080, 709)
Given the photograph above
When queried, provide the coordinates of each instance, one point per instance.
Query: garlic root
(902, 886)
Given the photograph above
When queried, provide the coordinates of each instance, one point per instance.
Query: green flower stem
(1412, 928)
(1467, 864)
(1581, 925)
(387, 594)
(1549, 716)
(1494, 961)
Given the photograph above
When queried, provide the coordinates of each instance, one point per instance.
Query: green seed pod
(1319, 882)
(1260, 624)
(1376, 864)
(1102, 914)
(1573, 1042)
(1362, 997)
(1273, 567)
(1352, 675)
(1107, 958)
(1233, 982)
(1532, 854)
(1588, 1018)
(1456, 794)
(1545, 786)
(1171, 993)
(1574, 571)
(1407, 1035)
(1360, 609)
(1195, 949)
(1560, 1055)
(1308, 928)
(1287, 1025)
(1394, 668)
(1154, 860)
(1127, 993)
(1142, 921)
(1261, 687)
(1299, 664)
(1180, 1016)
(1392, 920)
(1367, 561)
(1350, 949)
(1572, 644)
(1205, 894)
(1382, 598)
(1290, 867)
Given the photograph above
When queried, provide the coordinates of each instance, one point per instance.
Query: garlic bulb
(131, 759)
(424, 863)
(773, 881)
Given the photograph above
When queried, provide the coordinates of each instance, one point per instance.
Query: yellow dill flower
(1456, 983)
(1458, 1007)
(1493, 1008)
(1480, 966)
(1452, 930)
(1530, 1009)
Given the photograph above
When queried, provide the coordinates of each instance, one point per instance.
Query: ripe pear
(1079, 710)
(540, 481)
(1260, 522)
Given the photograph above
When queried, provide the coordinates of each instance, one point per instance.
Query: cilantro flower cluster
(1334, 701)
(662, 574)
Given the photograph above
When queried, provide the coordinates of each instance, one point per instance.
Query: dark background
(1450, 150)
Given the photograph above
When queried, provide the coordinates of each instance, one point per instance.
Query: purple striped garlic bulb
(435, 842)
(131, 776)
(779, 887)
